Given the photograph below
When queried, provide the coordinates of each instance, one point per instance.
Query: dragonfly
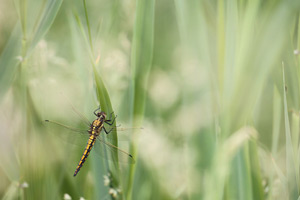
(93, 134)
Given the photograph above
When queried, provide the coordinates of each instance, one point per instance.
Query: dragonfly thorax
(97, 124)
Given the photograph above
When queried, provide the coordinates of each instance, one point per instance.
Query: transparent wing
(83, 118)
(67, 134)
(66, 126)
(123, 132)
(111, 152)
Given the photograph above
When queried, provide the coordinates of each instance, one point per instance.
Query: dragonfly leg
(97, 110)
(107, 132)
(110, 115)
(110, 122)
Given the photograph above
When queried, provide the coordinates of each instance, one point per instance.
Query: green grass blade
(240, 183)
(276, 122)
(277, 107)
(86, 40)
(295, 141)
(10, 161)
(255, 165)
(245, 180)
(141, 62)
(21, 8)
(104, 100)
(12, 192)
(88, 24)
(105, 103)
(45, 22)
(215, 181)
(10, 59)
(290, 154)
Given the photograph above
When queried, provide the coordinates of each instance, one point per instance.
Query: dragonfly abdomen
(88, 148)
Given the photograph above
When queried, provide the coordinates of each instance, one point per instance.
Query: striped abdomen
(88, 148)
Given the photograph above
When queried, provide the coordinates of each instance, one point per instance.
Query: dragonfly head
(101, 114)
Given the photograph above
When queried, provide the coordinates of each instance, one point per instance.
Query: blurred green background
(214, 84)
